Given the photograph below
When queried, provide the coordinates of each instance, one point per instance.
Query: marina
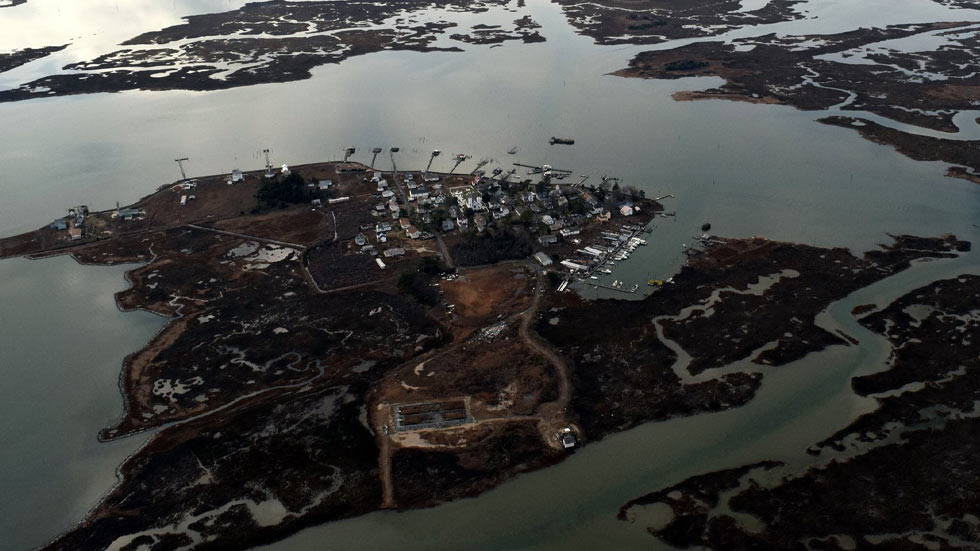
(600, 258)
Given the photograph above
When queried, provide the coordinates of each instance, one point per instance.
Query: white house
(467, 196)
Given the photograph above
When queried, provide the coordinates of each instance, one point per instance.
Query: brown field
(215, 200)
(487, 292)
(301, 225)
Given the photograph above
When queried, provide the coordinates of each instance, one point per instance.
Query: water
(747, 169)
(61, 347)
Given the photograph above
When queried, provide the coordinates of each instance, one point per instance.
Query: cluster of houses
(74, 223)
(420, 204)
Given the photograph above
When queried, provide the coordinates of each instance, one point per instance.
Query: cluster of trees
(419, 284)
(489, 247)
(283, 191)
(615, 194)
(685, 65)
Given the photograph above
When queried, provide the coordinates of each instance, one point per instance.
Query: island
(269, 41)
(343, 339)
(848, 71)
(907, 469)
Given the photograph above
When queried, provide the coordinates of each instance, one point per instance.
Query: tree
(282, 191)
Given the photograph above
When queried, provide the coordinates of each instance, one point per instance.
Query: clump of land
(326, 297)
(16, 58)
(525, 30)
(655, 21)
(844, 71)
(266, 42)
(816, 72)
(751, 299)
(902, 476)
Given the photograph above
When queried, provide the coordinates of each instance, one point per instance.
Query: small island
(343, 339)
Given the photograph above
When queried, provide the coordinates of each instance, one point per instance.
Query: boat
(655, 283)
(562, 141)
(593, 277)
(606, 271)
(512, 151)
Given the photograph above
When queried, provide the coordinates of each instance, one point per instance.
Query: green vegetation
(420, 283)
(491, 247)
(282, 191)
(686, 65)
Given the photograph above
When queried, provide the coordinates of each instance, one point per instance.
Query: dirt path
(249, 237)
(532, 340)
(445, 252)
(552, 414)
(379, 420)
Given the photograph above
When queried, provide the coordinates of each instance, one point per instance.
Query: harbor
(601, 256)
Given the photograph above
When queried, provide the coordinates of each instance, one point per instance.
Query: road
(445, 252)
(552, 414)
(249, 237)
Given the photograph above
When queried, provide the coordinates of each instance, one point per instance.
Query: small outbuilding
(543, 259)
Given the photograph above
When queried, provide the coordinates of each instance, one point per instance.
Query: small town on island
(451, 330)
(556, 275)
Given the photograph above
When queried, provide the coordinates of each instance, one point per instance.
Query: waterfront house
(467, 196)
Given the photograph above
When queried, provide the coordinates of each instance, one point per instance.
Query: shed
(543, 259)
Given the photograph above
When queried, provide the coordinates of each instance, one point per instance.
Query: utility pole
(268, 164)
(180, 163)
